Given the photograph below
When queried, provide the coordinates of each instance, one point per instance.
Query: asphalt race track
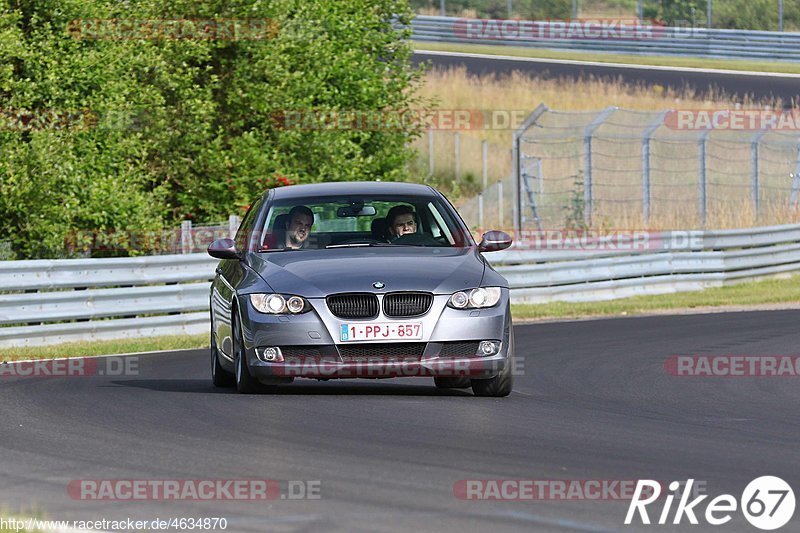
(758, 85)
(594, 403)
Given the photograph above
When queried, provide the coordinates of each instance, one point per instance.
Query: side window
(243, 236)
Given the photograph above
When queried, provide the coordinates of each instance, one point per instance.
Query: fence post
(517, 163)
(233, 226)
(588, 133)
(480, 210)
(485, 156)
(703, 176)
(795, 182)
(430, 152)
(646, 186)
(457, 155)
(754, 170)
(186, 237)
(540, 175)
(500, 204)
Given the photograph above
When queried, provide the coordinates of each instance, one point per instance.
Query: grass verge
(664, 61)
(765, 292)
(81, 349)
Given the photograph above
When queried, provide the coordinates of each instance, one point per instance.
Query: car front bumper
(311, 347)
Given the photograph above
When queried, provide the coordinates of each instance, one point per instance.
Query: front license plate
(381, 331)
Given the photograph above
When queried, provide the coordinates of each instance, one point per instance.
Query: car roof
(352, 187)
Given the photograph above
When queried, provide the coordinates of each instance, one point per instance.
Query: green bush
(177, 129)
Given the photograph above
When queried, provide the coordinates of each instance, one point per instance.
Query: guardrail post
(233, 226)
(754, 170)
(186, 237)
(646, 137)
(588, 133)
(702, 143)
(517, 163)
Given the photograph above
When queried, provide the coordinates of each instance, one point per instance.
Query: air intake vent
(402, 351)
(407, 304)
(459, 349)
(353, 305)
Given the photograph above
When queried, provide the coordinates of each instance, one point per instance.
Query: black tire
(219, 376)
(245, 382)
(502, 384)
(447, 382)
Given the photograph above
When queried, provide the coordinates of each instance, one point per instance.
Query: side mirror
(223, 249)
(494, 241)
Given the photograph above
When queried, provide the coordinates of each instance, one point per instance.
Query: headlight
(475, 298)
(277, 304)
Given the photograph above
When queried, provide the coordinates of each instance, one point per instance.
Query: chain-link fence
(660, 169)
(474, 174)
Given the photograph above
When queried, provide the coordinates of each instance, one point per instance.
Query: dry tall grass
(728, 206)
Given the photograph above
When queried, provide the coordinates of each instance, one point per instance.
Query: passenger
(301, 218)
(294, 233)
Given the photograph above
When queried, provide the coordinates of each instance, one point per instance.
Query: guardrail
(581, 35)
(54, 301)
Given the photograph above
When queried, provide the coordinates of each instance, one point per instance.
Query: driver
(401, 221)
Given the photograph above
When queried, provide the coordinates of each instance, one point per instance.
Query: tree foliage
(185, 128)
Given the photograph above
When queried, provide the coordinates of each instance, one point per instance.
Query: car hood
(317, 273)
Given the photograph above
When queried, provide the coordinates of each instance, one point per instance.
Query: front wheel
(245, 382)
(502, 384)
(219, 376)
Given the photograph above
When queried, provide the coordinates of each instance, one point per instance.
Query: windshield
(361, 221)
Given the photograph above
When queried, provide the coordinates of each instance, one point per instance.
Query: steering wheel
(416, 239)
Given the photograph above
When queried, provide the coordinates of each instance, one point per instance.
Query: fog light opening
(487, 348)
(270, 354)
